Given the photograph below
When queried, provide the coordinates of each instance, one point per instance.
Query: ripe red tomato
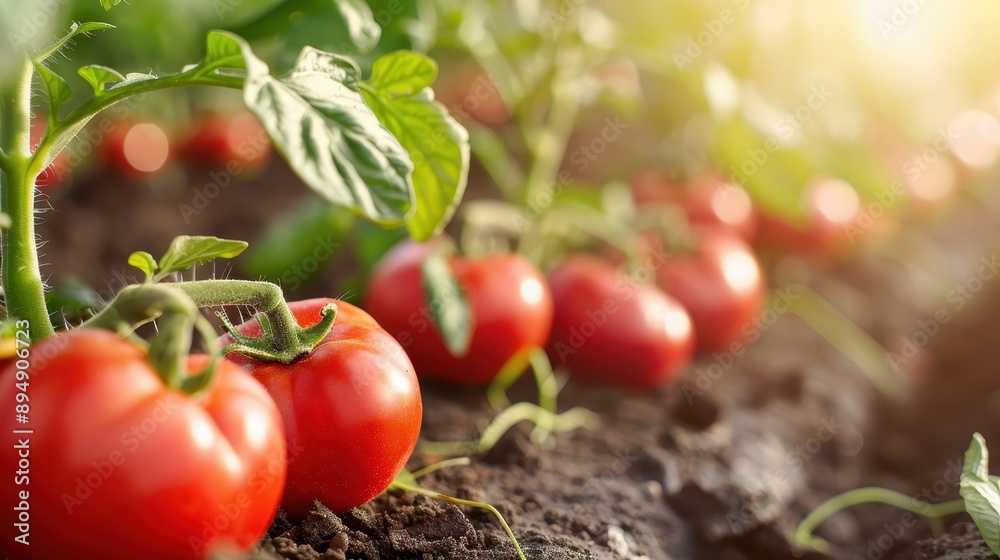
(351, 408)
(120, 466)
(721, 285)
(832, 209)
(610, 329)
(136, 148)
(221, 141)
(708, 200)
(510, 303)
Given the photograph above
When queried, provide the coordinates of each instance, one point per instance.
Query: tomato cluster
(638, 328)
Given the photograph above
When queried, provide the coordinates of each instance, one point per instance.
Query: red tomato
(720, 284)
(120, 466)
(708, 200)
(833, 212)
(351, 408)
(510, 303)
(136, 148)
(221, 141)
(610, 329)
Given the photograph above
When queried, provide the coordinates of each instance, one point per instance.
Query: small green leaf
(403, 73)
(438, 145)
(449, 308)
(108, 4)
(981, 492)
(144, 262)
(186, 251)
(57, 89)
(319, 122)
(99, 77)
(74, 30)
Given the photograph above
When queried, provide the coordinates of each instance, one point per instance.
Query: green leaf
(144, 262)
(57, 89)
(108, 4)
(438, 145)
(319, 122)
(981, 492)
(74, 30)
(449, 307)
(99, 77)
(186, 251)
(327, 24)
(403, 73)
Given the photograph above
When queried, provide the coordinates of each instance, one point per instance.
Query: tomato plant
(122, 465)
(721, 285)
(351, 408)
(608, 328)
(508, 300)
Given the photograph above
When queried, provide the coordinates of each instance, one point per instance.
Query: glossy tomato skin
(351, 409)
(123, 467)
(707, 200)
(610, 329)
(721, 285)
(509, 299)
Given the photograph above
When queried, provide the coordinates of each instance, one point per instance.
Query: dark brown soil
(721, 466)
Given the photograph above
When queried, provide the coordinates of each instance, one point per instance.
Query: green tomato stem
(283, 340)
(933, 512)
(177, 317)
(22, 281)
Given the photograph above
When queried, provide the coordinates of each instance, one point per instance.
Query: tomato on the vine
(509, 300)
(351, 409)
(832, 210)
(609, 328)
(120, 466)
(707, 200)
(721, 285)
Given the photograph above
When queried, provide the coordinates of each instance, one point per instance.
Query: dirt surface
(721, 466)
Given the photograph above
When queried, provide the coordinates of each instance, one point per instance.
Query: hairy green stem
(284, 340)
(22, 281)
(934, 512)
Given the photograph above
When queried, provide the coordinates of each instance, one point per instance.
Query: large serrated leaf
(449, 308)
(438, 145)
(74, 30)
(319, 122)
(186, 251)
(981, 493)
